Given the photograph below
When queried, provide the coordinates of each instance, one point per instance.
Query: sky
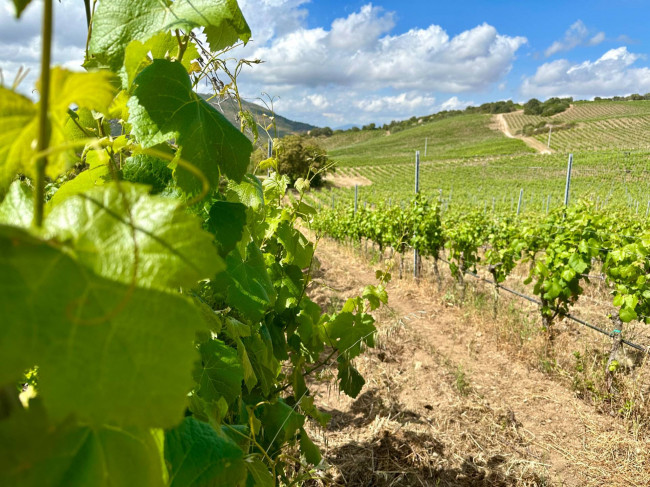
(335, 62)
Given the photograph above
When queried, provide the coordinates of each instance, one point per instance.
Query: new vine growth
(155, 323)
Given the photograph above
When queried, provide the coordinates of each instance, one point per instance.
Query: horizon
(339, 63)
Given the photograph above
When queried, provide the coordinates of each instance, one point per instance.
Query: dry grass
(439, 410)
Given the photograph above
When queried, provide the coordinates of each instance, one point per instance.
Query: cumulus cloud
(454, 103)
(359, 51)
(611, 74)
(576, 35)
(20, 41)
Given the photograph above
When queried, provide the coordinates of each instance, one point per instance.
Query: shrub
(297, 159)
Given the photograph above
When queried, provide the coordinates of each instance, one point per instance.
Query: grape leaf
(258, 474)
(35, 452)
(308, 449)
(117, 23)
(96, 175)
(299, 251)
(164, 107)
(280, 423)
(106, 351)
(219, 374)
(166, 247)
(246, 283)
(19, 120)
(20, 6)
(349, 332)
(149, 170)
(198, 456)
(227, 221)
(350, 380)
(17, 209)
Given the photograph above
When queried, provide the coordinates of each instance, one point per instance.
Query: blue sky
(340, 62)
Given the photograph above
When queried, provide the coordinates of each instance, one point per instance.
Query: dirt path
(502, 125)
(444, 406)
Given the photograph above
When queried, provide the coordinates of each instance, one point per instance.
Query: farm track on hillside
(502, 125)
(445, 403)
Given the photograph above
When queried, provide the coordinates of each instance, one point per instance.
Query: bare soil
(446, 403)
(346, 181)
(500, 123)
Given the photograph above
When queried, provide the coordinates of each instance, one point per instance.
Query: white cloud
(405, 103)
(454, 103)
(576, 35)
(611, 74)
(20, 40)
(359, 51)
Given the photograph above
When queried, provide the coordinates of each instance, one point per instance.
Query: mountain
(284, 126)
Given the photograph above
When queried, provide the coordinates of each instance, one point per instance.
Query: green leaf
(17, 209)
(227, 221)
(117, 23)
(219, 374)
(20, 6)
(258, 474)
(107, 352)
(249, 192)
(96, 175)
(376, 295)
(35, 452)
(19, 120)
(119, 231)
(310, 451)
(206, 139)
(554, 290)
(281, 423)
(299, 250)
(149, 170)
(197, 456)
(350, 380)
(246, 283)
(349, 332)
(627, 314)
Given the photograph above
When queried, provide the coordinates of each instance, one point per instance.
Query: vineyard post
(493, 203)
(426, 139)
(521, 195)
(356, 197)
(548, 203)
(416, 256)
(512, 203)
(636, 210)
(647, 210)
(567, 187)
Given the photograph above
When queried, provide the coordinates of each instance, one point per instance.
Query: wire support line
(560, 312)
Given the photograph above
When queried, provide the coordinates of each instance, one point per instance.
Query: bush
(325, 132)
(297, 159)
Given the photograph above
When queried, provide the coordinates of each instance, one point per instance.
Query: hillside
(284, 125)
(598, 125)
(450, 138)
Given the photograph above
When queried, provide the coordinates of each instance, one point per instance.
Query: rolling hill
(284, 125)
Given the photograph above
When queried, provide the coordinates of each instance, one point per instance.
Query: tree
(297, 159)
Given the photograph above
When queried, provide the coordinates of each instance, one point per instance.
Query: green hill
(460, 136)
(284, 125)
(596, 125)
